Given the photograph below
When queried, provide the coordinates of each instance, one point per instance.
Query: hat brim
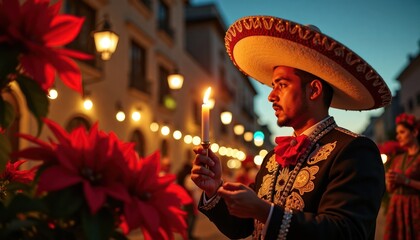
(257, 44)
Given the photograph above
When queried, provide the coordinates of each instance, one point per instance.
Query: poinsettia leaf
(98, 226)
(5, 150)
(36, 99)
(65, 203)
(7, 114)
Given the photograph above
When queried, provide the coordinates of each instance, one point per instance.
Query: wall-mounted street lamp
(106, 40)
(175, 80)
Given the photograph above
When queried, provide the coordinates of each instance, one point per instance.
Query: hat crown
(256, 44)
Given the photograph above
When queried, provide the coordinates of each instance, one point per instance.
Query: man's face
(288, 98)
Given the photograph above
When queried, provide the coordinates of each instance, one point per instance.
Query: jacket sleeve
(349, 206)
(231, 226)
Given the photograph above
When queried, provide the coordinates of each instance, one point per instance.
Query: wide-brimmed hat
(257, 44)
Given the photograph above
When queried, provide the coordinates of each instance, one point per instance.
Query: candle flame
(207, 95)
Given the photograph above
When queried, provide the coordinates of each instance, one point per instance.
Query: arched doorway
(76, 122)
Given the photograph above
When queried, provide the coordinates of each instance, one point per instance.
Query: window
(138, 68)
(164, 18)
(138, 139)
(84, 41)
(164, 91)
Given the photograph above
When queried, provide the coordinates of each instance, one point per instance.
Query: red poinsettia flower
(37, 30)
(94, 159)
(13, 174)
(155, 200)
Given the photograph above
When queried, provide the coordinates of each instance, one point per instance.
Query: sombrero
(257, 44)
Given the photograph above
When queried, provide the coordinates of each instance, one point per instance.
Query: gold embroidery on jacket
(271, 164)
(281, 183)
(295, 201)
(322, 153)
(265, 186)
(303, 182)
(268, 178)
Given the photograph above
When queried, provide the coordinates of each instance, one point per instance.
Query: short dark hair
(307, 77)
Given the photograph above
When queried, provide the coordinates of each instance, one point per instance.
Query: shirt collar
(308, 132)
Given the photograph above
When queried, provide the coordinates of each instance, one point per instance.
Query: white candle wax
(205, 117)
(205, 122)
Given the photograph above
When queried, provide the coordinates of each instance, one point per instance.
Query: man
(324, 182)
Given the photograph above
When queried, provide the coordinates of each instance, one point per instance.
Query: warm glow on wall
(263, 152)
(120, 116)
(177, 135)
(258, 160)
(188, 139)
(248, 136)
(226, 117)
(214, 147)
(165, 130)
(87, 103)
(239, 129)
(196, 140)
(175, 81)
(154, 126)
(136, 116)
(52, 93)
(222, 151)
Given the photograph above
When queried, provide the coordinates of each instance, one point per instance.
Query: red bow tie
(289, 149)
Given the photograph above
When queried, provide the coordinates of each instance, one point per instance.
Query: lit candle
(205, 117)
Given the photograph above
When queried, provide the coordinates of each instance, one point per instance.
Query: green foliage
(61, 214)
(36, 99)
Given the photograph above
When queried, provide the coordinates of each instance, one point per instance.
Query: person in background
(183, 179)
(246, 174)
(324, 182)
(403, 183)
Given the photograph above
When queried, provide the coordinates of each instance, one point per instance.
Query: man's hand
(243, 202)
(206, 171)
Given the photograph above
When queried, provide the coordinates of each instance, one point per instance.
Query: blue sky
(383, 32)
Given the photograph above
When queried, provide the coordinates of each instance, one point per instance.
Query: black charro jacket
(336, 195)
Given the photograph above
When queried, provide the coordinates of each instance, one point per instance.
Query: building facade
(156, 38)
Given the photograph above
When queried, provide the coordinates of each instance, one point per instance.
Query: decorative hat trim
(257, 44)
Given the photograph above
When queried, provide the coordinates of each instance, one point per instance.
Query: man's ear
(315, 89)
